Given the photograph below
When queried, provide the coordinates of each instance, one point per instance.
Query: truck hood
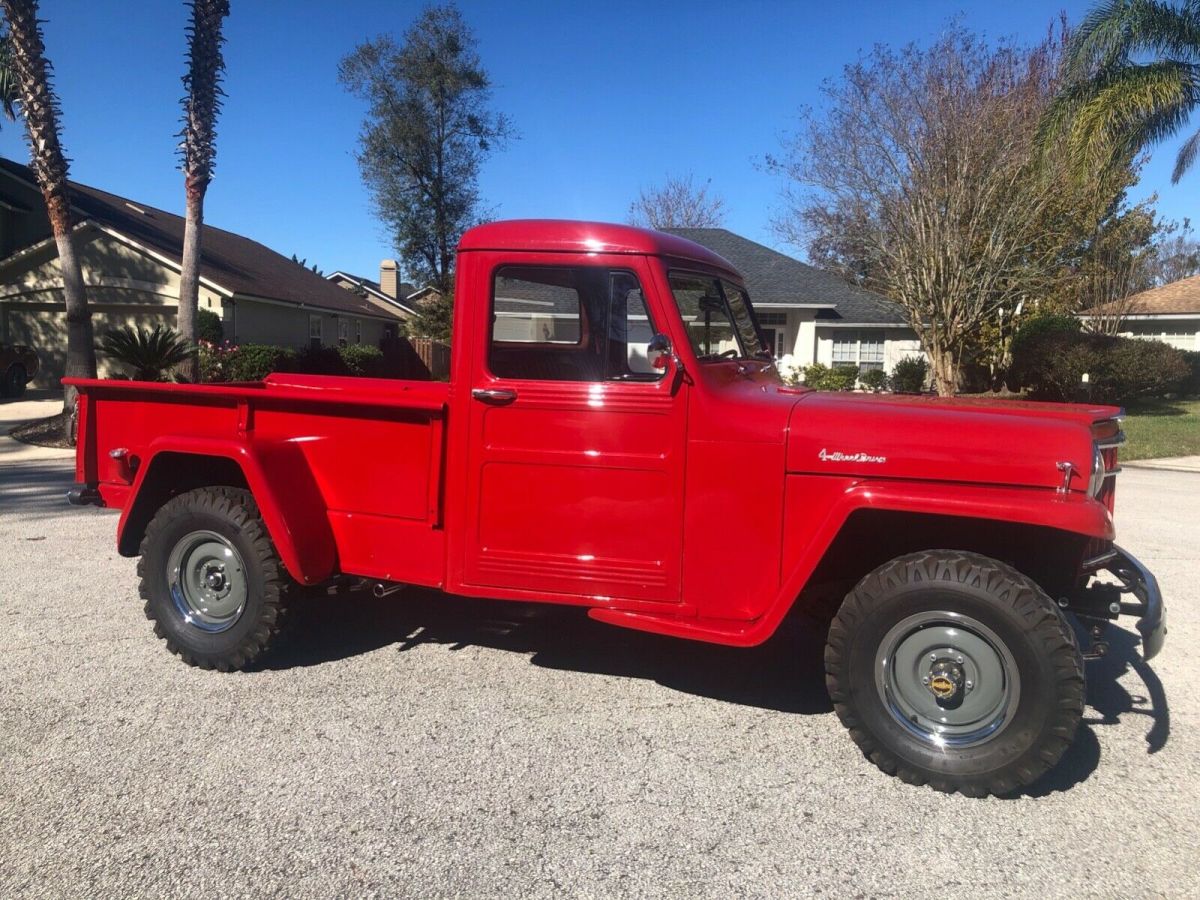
(963, 440)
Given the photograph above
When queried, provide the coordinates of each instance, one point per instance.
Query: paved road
(425, 746)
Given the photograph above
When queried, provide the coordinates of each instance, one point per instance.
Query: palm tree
(199, 150)
(1132, 80)
(39, 109)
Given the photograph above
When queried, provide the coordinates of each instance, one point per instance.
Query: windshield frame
(725, 284)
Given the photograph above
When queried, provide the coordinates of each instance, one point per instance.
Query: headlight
(1097, 481)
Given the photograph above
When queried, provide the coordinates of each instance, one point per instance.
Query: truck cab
(614, 435)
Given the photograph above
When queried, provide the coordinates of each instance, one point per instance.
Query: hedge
(822, 378)
(1051, 362)
(254, 362)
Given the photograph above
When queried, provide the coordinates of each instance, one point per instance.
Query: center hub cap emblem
(944, 680)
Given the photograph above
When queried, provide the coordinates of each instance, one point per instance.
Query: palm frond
(1122, 110)
(8, 81)
(1115, 31)
(151, 353)
(1187, 156)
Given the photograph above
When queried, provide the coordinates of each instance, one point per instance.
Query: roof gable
(233, 263)
(1177, 298)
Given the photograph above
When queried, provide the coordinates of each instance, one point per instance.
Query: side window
(569, 323)
(314, 331)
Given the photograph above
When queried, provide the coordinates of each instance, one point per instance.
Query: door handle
(494, 395)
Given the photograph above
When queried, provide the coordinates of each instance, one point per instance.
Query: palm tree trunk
(39, 107)
(200, 107)
(189, 277)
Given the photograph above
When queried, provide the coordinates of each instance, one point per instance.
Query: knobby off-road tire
(211, 578)
(909, 639)
(13, 384)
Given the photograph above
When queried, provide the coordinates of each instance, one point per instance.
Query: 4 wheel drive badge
(839, 456)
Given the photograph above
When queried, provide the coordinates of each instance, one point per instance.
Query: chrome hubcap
(947, 678)
(207, 581)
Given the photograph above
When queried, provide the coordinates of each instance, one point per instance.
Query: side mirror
(658, 351)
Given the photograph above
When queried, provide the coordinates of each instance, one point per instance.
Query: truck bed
(358, 459)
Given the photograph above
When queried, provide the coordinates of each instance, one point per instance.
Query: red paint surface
(697, 505)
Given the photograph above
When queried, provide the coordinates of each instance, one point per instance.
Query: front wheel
(211, 578)
(955, 670)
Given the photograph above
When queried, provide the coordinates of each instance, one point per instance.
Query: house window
(772, 318)
(314, 331)
(358, 331)
(862, 348)
(343, 331)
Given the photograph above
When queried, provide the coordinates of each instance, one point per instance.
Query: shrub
(909, 375)
(216, 360)
(874, 380)
(1052, 365)
(151, 353)
(320, 361)
(208, 327)
(820, 377)
(362, 360)
(254, 362)
(1191, 386)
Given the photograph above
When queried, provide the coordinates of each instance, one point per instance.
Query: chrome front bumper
(1140, 581)
(1098, 602)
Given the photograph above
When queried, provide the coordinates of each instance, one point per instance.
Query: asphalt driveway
(426, 746)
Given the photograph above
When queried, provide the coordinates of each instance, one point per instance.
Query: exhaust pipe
(383, 589)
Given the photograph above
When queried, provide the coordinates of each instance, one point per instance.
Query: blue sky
(607, 98)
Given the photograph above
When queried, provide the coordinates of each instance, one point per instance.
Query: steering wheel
(729, 354)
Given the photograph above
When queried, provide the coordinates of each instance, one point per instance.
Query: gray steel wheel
(207, 581)
(947, 678)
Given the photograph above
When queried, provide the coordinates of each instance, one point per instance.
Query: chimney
(387, 277)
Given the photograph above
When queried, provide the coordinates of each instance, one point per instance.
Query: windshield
(717, 315)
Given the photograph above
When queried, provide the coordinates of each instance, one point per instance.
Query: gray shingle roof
(229, 260)
(775, 278)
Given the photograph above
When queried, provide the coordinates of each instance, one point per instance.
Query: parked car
(615, 436)
(18, 366)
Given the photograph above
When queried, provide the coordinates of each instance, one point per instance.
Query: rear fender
(279, 477)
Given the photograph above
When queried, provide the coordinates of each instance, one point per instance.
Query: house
(810, 315)
(388, 289)
(1169, 313)
(130, 255)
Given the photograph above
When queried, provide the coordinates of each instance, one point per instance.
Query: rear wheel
(955, 670)
(211, 579)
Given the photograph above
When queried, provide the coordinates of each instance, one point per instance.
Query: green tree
(1133, 80)
(39, 109)
(428, 129)
(202, 81)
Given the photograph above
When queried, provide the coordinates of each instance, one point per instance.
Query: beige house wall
(126, 286)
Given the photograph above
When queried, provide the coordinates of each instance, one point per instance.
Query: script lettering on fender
(839, 456)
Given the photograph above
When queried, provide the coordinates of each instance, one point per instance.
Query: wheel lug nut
(925, 680)
(960, 659)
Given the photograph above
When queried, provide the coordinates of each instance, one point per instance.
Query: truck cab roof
(570, 236)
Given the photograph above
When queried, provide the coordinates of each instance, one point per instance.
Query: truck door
(575, 475)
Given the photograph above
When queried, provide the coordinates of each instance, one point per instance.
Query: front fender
(816, 508)
(282, 483)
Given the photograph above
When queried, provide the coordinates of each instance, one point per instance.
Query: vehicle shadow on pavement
(39, 490)
(1107, 701)
(786, 673)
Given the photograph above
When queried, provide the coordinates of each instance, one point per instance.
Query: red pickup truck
(615, 436)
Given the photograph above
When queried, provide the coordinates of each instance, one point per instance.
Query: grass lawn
(1158, 428)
